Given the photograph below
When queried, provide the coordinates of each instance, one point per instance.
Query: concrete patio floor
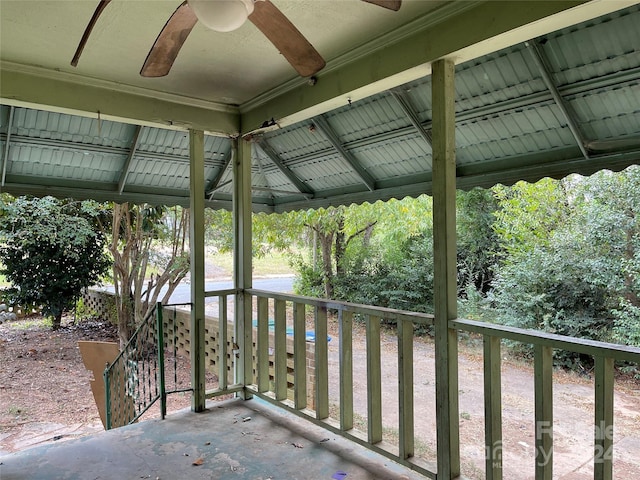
(232, 439)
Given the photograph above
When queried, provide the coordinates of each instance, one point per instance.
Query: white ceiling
(229, 68)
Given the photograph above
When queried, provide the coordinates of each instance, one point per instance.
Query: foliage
(149, 245)
(580, 277)
(478, 245)
(52, 250)
(527, 213)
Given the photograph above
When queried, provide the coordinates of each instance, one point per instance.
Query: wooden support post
(223, 349)
(299, 357)
(543, 379)
(492, 408)
(196, 246)
(242, 257)
(444, 284)
(263, 344)
(374, 380)
(603, 453)
(321, 363)
(345, 320)
(280, 347)
(405, 388)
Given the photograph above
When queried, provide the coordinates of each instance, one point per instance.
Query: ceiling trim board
(62, 96)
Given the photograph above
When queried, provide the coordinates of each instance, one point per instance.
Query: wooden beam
(293, 178)
(603, 449)
(492, 408)
(61, 92)
(541, 62)
(325, 129)
(345, 352)
(412, 115)
(374, 380)
(127, 164)
(7, 142)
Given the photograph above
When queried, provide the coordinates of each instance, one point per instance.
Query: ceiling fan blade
(169, 42)
(87, 31)
(390, 4)
(287, 38)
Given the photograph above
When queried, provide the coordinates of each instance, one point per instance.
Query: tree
(52, 250)
(150, 258)
(477, 243)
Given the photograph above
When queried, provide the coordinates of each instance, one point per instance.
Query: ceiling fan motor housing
(222, 15)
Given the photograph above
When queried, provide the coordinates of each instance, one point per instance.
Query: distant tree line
(561, 256)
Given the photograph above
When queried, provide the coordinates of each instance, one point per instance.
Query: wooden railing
(284, 306)
(604, 355)
(275, 313)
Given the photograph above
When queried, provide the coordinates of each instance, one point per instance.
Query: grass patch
(276, 263)
(16, 411)
(28, 323)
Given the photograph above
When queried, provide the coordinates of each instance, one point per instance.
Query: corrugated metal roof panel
(596, 48)
(326, 172)
(365, 118)
(610, 113)
(62, 163)
(296, 141)
(510, 134)
(495, 78)
(506, 118)
(419, 95)
(71, 128)
(405, 155)
(158, 140)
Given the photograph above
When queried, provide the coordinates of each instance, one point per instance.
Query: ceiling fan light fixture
(222, 15)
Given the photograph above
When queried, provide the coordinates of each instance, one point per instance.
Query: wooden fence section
(220, 350)
(604, 355)
(305, 313)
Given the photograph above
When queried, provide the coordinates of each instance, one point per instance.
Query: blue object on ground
(310, 335)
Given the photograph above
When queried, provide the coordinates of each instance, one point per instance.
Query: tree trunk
(341, 246)
(56, 321)
(326, 245)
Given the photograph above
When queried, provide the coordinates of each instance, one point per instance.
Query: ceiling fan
(225, 16)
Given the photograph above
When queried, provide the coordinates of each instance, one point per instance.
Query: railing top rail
(383, 312)
(218, 293)
(578, 345)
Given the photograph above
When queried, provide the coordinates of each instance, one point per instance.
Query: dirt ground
(45, 396)
(44, 386)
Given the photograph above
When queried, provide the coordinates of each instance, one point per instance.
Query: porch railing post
(444, 284)
(322, 361)
(345, 327)
(603, 449)
(160, 345)
(543, 380)
(492, 408)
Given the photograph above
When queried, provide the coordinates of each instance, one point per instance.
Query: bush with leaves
(51, 251)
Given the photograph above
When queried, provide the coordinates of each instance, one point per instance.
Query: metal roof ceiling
(566, 102)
